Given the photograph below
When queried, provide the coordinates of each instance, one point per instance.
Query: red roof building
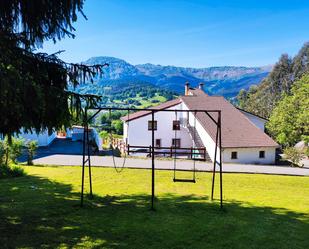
(243, 136)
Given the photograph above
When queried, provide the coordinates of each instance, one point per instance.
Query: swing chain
(118, 169)
(194, 145)
(193, 180)
(175, 147)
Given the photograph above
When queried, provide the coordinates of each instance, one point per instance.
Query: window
(152, 125)
(158, 143)
(176, 142)
(234, 155)
(176, 125)
(262, 154)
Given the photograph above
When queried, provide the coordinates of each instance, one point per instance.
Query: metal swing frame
(87, 156)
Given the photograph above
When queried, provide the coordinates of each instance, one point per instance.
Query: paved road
(67, 152)
(58, 146)
(75, 160)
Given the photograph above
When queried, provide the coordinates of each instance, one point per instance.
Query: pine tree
(33, 86)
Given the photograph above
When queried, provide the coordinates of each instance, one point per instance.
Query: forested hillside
(263, 98)
(226, 80)
(144, 85)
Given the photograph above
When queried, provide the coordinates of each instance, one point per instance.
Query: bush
(11, 171)
(104, 134)
(15, 149)
(117, 126)
(31, 149)
(293, 155)
(16, 171)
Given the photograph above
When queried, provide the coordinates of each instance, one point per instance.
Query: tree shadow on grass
(38, 213)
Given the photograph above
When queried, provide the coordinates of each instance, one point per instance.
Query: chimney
(187, 85)
(201, 86)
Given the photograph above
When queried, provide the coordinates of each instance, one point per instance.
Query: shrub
(16, 171)
(293, 155)
(11, 171)
(104, 134)
(31, 149)
(117, 126)
(15, 149)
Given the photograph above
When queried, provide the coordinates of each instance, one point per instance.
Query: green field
(143, 103)
(41, 210)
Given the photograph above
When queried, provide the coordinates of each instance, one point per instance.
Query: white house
(243, 136)
(43, 138)
(255, 119)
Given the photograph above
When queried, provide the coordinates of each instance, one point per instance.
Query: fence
(192, 152)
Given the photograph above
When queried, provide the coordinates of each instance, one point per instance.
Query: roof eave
(149, 112)
(252, 114)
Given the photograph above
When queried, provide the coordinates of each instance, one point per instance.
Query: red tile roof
(237, 130)
(162, 106)
(197, 92)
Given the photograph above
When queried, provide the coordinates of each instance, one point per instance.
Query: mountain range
(226, 80)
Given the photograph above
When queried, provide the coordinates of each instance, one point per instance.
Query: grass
(144, 103)
(147, 103)
(41, 210)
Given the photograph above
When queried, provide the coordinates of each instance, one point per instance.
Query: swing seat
(184, 180)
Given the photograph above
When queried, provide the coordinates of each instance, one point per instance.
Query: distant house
(43, 138)
(243, 136)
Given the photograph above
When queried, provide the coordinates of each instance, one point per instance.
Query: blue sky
(188, 33)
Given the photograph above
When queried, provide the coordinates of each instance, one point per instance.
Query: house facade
(243, 136)
(43, 138)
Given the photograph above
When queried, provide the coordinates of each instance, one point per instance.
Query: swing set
(151, 150)
(193, 154)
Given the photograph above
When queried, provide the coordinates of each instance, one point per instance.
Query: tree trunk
(7, 156)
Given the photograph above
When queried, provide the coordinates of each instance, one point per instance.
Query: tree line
(283, 98)
(263, 98)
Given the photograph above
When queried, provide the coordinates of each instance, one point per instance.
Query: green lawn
(144, 103)
(41, 210)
